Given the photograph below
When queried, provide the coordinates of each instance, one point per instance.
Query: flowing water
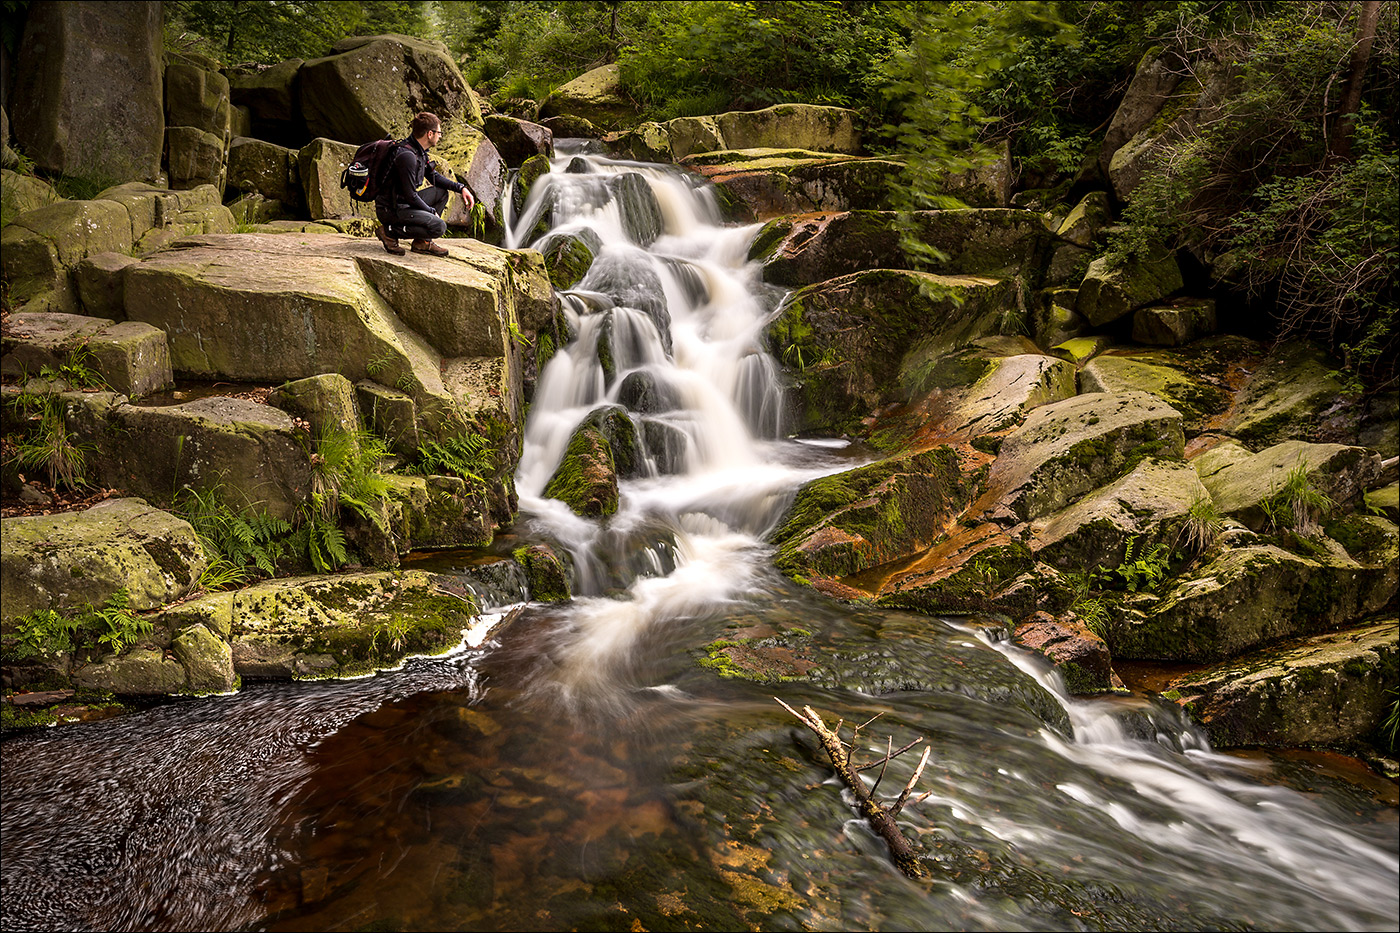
(574, 767)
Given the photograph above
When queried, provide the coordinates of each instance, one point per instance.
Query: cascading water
(585, 766)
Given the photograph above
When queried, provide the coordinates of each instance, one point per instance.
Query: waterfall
(666, 325)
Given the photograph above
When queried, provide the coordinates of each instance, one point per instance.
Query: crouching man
(404, 211)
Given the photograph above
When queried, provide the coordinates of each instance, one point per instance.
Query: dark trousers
(411, 223)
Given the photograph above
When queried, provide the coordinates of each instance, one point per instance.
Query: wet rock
(1068, 448)
(586, 480)
(81, 558)
(549, 578)
(142, 671)
(567, 256)
(758, 184)
(1254, 595)
(963, 572)
(1331, 690)
(207, 660)
(344, 625)
(518, 140)
(842, 524)
(1079, 656)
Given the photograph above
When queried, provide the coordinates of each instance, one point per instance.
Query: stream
(574, 766)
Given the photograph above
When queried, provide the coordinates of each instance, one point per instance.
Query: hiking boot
(428, 247)
(390, 244)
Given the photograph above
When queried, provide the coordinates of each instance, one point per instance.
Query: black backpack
(365, 175)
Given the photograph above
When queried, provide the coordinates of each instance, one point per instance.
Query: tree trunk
(1339, 146)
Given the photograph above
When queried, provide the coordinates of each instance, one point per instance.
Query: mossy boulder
(370, 87)
(586, 479)
(249, 454)
(86, 98)
(36, 340)
(1174, 325)
(194, 157)
(548, 576)
(1291, 394)
(132, 358)
(796, 126)
(197, 97)
(1157, 76)
(759, 184)
(567, 256)
(962, 572)
(144, 670)
(1243, 484)
(1147, 507)
(843, 524)
(844, 340)
(596, 96)
(72, 559)
(518, 140)
(1115, 286)
(1082, 225)
(1065, 449)
(1053, 319)
(101, 283)
(1006, 392)
(1252, 596)
(343, 626)
(319, 166)
(474, 160)
(800, 250)
(1122, 370)
(1331, 690)
(206, 658)
(264, 168)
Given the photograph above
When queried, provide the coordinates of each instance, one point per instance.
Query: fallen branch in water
(880, 817)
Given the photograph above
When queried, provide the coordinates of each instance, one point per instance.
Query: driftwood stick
(880, 819)
(884, 763)
(894, 754)
(914, 779)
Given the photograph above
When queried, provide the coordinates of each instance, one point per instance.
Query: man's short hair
(424, 123)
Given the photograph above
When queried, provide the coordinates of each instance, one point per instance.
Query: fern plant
(1143, 568)
(117, 626)
(466, 455)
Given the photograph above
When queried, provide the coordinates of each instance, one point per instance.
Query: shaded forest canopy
(1284, 193)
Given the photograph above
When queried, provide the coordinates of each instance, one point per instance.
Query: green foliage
(468, 456)
(527, 49)
(1254, 185)
(1143, 568)
(1390, 726)
(46, 632)
(255, 541)
(1090, 608)
(50, 446)
(81, 188)
(701, 58)
(77, 369)
(270, 31)
(345, 473)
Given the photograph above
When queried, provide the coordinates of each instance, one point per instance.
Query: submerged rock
(1079, 656)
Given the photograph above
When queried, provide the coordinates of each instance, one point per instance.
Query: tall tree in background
(269, 31)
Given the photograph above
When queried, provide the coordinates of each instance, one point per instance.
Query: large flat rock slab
(81, 558)
(1243, 483)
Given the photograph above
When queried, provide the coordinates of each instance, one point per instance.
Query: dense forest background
(1285, 194)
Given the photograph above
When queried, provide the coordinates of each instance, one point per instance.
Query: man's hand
(468, 200)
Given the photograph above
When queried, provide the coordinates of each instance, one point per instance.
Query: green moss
(12, 717)
(544, 573)
(586, 479)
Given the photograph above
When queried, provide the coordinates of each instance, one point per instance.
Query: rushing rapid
(590, 765)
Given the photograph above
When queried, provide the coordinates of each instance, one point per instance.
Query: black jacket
(406, 173)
